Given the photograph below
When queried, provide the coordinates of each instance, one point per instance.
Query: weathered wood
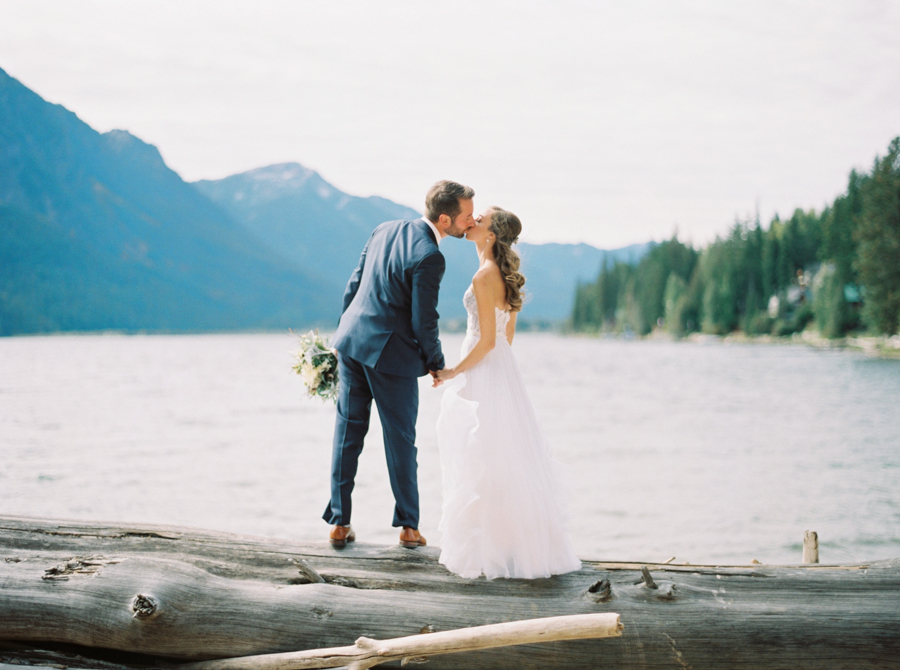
(810, 546)
(207, 595)
(366, 653)
(15, 655)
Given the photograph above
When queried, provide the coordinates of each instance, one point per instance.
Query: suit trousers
(397, 399)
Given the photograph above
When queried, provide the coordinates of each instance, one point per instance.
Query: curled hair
(506, 228)
(444, 197)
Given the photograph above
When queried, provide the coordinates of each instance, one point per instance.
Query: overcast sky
(608, 123)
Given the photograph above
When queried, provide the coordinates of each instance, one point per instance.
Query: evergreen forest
(837, 270)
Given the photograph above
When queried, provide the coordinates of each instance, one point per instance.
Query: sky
(609, 123)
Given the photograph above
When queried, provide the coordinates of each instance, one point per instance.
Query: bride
(503, 514)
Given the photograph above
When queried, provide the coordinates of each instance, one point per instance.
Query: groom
(387, 337)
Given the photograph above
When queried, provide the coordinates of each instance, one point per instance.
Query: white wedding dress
(503, 505)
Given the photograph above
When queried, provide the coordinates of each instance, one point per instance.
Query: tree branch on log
(367, 652)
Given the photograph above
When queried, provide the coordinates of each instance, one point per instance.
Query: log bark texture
(185, 594)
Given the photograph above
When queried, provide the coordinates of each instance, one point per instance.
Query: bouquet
(317, 364)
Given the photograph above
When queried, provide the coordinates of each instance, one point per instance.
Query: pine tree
(878, 238)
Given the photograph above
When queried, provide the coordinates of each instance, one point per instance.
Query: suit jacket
(389, 319)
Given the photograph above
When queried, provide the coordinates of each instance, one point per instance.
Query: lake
(707, 452)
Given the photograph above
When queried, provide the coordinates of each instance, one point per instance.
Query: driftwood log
(178, 594)
(366, 652)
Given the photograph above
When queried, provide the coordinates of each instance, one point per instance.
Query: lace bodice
(472, 325)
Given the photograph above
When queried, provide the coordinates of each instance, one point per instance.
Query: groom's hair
(444, 197)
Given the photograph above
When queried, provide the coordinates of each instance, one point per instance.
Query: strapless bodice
(473, 327)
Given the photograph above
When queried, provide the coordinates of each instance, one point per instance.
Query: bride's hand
(435, 382)
(445, 374)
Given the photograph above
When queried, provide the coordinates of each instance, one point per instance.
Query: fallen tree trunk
(178, 593)
(366, 652)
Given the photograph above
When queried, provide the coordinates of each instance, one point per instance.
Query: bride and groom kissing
(502, 513)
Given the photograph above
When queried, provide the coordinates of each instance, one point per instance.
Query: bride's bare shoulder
(488, 274)
(487, 284)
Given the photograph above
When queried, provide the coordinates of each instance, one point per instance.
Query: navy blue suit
(387, 337)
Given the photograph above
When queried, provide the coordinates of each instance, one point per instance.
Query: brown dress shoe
(341, 535)
(410, 537)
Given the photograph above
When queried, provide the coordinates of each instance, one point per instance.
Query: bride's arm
(511, 327)
(485, 297)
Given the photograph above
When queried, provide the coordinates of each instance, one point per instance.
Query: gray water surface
(706, 452)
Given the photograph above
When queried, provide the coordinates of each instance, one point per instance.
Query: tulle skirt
(503, 512)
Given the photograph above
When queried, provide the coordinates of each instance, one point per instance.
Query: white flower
(311, 376)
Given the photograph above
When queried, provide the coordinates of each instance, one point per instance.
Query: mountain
(96, 233)
(299, 215)
(552, 272)
(294, 211)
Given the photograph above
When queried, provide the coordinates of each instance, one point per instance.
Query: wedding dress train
(503, 510)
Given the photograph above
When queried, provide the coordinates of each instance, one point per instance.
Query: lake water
(707, 452)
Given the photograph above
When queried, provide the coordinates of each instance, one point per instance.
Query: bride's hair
(506, 228)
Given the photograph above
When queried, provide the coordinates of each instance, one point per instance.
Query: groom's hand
(435, 382)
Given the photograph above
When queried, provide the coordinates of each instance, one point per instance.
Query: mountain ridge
(104, 235)
(280, 204)
(295, 212)
(97, 233)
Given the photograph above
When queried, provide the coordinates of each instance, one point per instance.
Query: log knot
(600, 591)
(322, 612)
(366, 643)
(668, 590)
(144, 607)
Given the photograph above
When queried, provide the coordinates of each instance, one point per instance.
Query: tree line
(837, 270)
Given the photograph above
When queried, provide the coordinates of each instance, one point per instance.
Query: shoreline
(880, 346)
(877, 346)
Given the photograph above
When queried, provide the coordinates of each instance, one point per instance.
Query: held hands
(435, 381)
(440, 376)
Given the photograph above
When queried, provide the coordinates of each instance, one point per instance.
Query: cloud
(598, 122)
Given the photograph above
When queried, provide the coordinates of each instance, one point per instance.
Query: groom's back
(381, 308)
(392, 252)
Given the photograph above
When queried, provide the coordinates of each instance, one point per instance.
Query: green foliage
(719, 315)
(634, 298)
(596, 303)
(877, 235)
(793, 322)
(759, 323)
(833, 313)
(810, 267)
(838, 224)
(673, 300)
(835, 316)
